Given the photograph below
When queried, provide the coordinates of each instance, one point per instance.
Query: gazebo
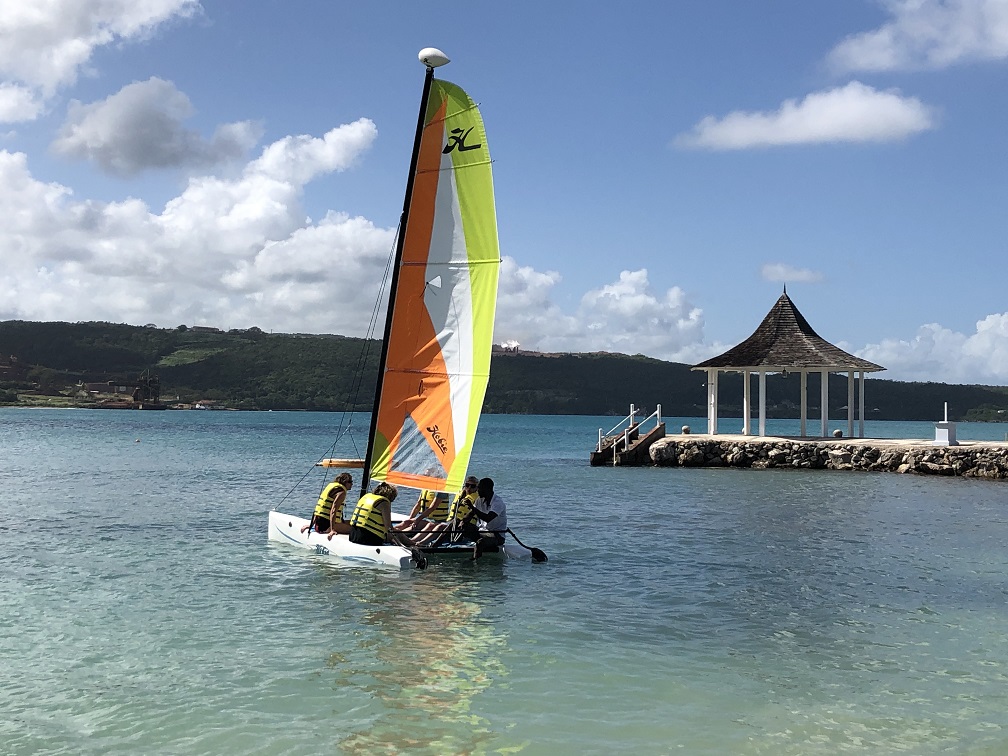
(785, 343)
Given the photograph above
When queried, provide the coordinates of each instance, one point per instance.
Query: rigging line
(358, 374)
(359, 370)
(358, 378)
(308, 472)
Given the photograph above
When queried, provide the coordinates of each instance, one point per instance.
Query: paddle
(538, 555)
(418, 557)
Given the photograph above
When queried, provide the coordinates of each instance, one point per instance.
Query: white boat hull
(285, 528)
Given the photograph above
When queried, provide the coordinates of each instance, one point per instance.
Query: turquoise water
(682, 610)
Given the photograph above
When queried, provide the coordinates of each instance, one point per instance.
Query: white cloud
(226, 253)
(240, 253)
(237, 253)
(853, 113)
(525, 312)
(140, 127)
(623, 316)
(939, 354)
(928, 34)
(18, 103)
(784, 273)
(44, 45)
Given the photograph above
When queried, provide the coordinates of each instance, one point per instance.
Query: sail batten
(451, 168)
(440, 338)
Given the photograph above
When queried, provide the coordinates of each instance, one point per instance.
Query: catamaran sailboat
(435, 361)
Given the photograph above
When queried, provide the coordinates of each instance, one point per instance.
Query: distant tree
(254, 370)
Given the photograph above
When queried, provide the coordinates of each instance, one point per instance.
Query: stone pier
(970, 459)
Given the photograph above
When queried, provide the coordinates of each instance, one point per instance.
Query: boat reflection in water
(429, 656)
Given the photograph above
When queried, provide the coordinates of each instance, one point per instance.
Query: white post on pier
(824, 398)
(712, 399)
(945, 432)
(746, 405)
(861, 404)
(762, 402)
(850, 403)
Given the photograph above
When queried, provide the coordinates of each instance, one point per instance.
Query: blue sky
(662, 169)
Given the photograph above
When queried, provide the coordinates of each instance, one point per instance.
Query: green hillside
(50, 363)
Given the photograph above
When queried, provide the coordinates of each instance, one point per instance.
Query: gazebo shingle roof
(786, 340)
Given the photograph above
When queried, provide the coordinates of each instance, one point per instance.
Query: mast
(431, 58)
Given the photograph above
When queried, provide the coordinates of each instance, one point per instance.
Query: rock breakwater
(974, 460)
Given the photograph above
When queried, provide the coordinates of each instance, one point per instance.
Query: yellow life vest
(367, 515)
(325, 502)
(462, 506)
(428, 497)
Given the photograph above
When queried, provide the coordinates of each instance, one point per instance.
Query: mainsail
(442, 314)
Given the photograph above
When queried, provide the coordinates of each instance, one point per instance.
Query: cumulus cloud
(43, 46)
(140, 127)
(525, 311)
(784, 273)
(928, 34)
(236, 253)
(937, 353)
(627, 316)
(853, 113)
(622, 316)
(229, 253)
(18, 103)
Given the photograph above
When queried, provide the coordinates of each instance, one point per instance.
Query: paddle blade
(538, 555)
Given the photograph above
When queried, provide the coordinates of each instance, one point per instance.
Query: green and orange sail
(442, 314)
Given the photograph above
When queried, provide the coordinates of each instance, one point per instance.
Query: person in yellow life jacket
(328, 515)
(371, 521)
(458, 523)
(430, 505)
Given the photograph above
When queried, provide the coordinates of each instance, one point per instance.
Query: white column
(715, 402)
(861, 404)
(746, 405)
(850, 403)
(824, 402)
(762, 402)
(712, 399)
(804, 400)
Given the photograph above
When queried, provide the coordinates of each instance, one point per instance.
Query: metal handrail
(601, 436)
(630, 417)
(626, 432)
(656, 414)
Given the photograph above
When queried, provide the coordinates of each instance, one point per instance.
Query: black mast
(400, 242)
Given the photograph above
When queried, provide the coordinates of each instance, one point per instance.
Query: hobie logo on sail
(457, 139)
(438, 438)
